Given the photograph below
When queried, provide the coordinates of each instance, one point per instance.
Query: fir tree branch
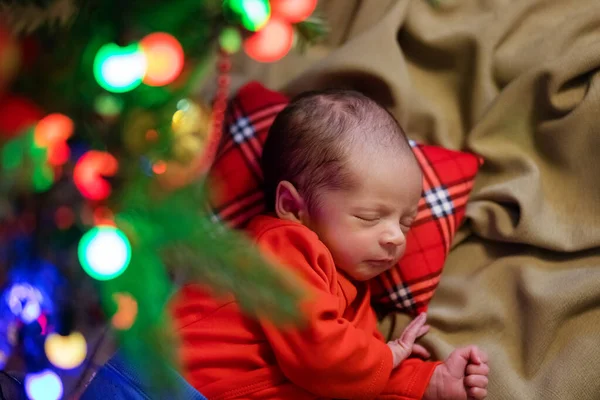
(310, 32)
(24, 17)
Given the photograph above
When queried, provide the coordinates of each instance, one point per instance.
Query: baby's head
(338, 163)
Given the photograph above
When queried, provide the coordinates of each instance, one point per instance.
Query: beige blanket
(517, 82)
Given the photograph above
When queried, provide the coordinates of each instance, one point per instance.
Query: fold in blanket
(518, 83)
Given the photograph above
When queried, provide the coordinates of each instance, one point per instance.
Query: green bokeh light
(120, 69)
(108, 106)
(104, 252)
(230, 40)
(254, 14)
(42, 179)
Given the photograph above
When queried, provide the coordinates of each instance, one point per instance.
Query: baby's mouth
(381, 263)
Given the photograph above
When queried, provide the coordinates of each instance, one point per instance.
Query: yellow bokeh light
(66, 352)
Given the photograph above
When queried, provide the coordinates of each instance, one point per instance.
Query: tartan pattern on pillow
(448, 178)
(236, 172)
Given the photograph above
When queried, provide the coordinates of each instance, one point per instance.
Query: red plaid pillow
(447, 182)
(448, 178)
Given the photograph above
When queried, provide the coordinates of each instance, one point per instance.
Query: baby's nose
(393, 237)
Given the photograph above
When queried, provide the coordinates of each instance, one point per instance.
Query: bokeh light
(43, 323)
(120, 69)
(230, 40)
(293, 10)
(52, 129)
(183, 105)
(58, 154)
(66, 352)
(177, 118)
(89, 173)
(108, 105)
(164, 57)
(42, 179)
(272, 42)
(159, 167)
(127, 309)
(104, 252)
(45, 385)
(151, 135)
(24, 301)
(254, 14)
(31, 312)
(190, 118)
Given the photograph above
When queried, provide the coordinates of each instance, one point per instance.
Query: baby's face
(365, 228)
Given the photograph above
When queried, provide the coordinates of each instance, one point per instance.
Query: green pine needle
(27, 16)
(311, 31)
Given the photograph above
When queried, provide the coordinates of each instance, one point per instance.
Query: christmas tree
(104, 151)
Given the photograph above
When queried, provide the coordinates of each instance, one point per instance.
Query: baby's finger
(424, 329)
(479, 381)
(478, 369)
(411, 332)
(481, 356)
(476, 393)
(474, 355)
(420, 351)
(418, 321)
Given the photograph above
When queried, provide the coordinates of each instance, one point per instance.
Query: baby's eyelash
(368, 219)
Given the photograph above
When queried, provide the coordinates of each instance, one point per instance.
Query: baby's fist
(463, 376)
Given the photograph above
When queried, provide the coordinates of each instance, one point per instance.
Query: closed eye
(367, 218)
(406, 225)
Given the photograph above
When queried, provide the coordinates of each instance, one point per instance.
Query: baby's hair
(309, 141)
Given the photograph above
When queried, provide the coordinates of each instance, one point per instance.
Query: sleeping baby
(342, 188)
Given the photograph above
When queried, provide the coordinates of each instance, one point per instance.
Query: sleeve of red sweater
(329, 356)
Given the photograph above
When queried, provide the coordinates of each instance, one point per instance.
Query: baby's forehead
(369, 144)
(366, 161)
(387, 169)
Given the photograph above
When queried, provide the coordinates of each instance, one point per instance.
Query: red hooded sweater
(337, 354)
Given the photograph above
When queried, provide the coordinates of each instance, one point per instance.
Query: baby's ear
(289, 204)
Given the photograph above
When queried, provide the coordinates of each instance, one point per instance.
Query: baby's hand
(463, 376)
(405, 346)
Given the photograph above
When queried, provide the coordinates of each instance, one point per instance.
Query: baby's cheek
(345, 247)
(358, 248)
(348, 254)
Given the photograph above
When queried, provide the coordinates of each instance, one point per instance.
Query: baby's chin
(367, 270)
